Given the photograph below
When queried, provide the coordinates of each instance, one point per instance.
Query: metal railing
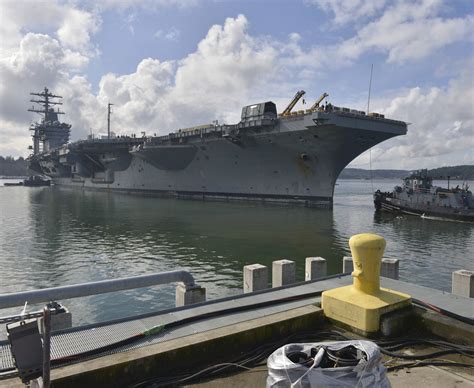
(95, 288)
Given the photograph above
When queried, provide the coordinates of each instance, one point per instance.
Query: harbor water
(51, 236)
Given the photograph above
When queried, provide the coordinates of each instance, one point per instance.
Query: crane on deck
(296, 98)
(319, 100)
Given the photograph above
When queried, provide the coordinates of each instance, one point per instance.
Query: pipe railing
(95, 288)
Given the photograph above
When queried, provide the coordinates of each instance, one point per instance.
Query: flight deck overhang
(355, 121)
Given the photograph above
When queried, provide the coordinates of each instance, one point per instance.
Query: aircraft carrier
(291, 157)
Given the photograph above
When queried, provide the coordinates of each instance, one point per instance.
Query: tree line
(11, 167)
(463, 172)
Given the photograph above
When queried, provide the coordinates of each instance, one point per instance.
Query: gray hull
(295, 159)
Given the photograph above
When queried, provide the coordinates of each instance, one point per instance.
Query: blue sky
(167, 64)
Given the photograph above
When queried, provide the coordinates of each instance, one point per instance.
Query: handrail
(95, 288)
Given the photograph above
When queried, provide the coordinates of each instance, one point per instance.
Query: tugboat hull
(387, 204)
(36, 181)
(418, 196)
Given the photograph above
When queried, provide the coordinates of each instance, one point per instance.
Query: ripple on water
(55, 237)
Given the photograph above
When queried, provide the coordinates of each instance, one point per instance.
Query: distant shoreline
(391, 179)
(465, 172)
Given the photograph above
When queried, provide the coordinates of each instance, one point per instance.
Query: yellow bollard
(361, 304)
(367, 251)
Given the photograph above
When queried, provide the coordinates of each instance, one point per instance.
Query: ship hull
(291, 167)
(309, 201)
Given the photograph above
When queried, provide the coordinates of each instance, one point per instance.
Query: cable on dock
(264, 351)
(258, 355)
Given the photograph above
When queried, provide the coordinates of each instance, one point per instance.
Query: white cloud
(172, 34)
(15, 138)
(138, 97)
(228, 65)
(408, 32)
(77, 28)
(40, 61)
(72, 26)
(346, 11)
(405, 31)
(441, 130)
(125, 5)
(210, 83)
(82, 107)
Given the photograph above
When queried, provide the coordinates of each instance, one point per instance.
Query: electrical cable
(232, 310)
(178, 323)
(426, 356)
(253, 358)
(441, 311)
(427, 363)
(262, 352)
(412, 342)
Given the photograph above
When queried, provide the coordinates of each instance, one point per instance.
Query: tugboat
(32, 181)
(419, 197)
(36, 180)
(13, 184)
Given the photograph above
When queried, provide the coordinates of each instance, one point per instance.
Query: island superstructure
(295, 156)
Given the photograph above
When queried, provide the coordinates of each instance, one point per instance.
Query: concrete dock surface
(219, 338)
(426, 376)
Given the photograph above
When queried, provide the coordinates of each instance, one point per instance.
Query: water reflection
(430, 249)
(79, 236)
(54, 236)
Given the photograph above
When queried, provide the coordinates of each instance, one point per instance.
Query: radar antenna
(46, 102)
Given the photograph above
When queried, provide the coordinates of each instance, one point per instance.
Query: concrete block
(390, 268)
(283, 272)
(347, 264)
(397, 323)
(315, 268)
(463, 283)
(189, 295)
(59, 321)
(255, 278)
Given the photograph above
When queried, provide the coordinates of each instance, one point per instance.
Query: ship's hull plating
(297, 166)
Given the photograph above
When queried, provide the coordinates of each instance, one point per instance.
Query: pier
(172, 346)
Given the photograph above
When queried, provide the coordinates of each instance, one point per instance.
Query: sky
(169, 64)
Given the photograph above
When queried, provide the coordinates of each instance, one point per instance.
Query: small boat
(36, 180)
(419, 197)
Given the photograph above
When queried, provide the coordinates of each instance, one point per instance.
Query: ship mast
(47, 130)
(108, 119)
(45, 102)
